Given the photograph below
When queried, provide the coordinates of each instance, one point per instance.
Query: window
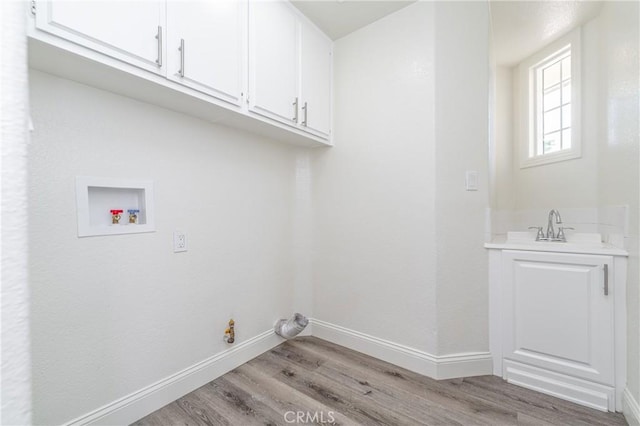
(551, 107)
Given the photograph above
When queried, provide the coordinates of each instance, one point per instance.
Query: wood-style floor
(311, 381)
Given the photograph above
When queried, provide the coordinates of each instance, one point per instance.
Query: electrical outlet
(179, 241)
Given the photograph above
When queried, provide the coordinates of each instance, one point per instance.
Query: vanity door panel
(558, 314)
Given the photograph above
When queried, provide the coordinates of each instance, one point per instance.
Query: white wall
(618, 147)
(504, 140)
(113, 314)
(374, 193)
(524, 196)
(392, 219)
(565, 184)
(462, 131)
(570, 186)
(15, 390)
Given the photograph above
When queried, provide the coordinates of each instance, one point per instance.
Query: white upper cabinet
(257, 65)
(315, 76)
(131, 31)
(205, 45)
(289, 68)
(273, 61)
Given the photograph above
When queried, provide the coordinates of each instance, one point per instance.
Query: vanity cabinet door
(130, 31)
(559, 313)
(205, 42)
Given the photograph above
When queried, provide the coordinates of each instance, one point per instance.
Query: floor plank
(322, 382)
(357, 406)
(467, 409)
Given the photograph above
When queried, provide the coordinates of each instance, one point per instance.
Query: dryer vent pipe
(289, 328)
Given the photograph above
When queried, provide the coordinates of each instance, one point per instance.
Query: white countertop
(582, 243)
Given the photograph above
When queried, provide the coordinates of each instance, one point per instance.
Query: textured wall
(504, 198)
(394, 221)
(565, 184)
(112, 314)
(374, 254)
(15, 394)
(462, 129)
(618, 147)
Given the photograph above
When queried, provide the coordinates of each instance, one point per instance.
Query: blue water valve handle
(133, 215)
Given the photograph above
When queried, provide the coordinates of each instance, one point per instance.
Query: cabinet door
(205, 45)
(557, 313)
(273, 66)
(130, 31)
(315, 51)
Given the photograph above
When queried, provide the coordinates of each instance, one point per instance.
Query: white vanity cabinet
(559, 313)
(130, 31)
(289, 68)
(558, 321)
(205, 45)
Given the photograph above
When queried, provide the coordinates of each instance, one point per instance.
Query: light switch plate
(471, 180)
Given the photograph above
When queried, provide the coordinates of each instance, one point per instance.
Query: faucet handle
(561, 235)
(540, 234)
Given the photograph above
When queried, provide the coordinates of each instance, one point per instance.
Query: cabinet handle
(181, 49)
(304, 120)
(159, 38)
(295, 111)
(606, 279)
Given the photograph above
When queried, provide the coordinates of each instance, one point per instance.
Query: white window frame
(528, 138)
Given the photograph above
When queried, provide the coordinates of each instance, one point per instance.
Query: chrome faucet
(551, 235)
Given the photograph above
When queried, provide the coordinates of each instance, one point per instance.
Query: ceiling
(520, 28)
(337, 18)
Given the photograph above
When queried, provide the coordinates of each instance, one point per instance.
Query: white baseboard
(134, 406)
(437, 367)
(308, 330)
(630, 408)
